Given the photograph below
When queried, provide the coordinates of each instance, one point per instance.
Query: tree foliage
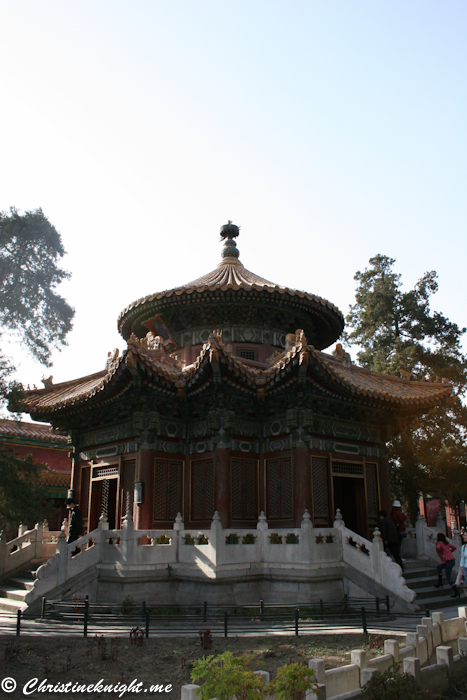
(397, 333)
(30, 307)
(34, 314)
(23, 498)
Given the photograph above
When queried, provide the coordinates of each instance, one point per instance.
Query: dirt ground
(159, 661)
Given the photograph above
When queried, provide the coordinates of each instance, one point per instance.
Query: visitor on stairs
(460, 580)
(390, 537)
(444, 550)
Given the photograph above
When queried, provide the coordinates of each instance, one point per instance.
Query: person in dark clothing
(390, 536)
(75, 528)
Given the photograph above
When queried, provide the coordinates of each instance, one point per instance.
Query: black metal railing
(220, 619)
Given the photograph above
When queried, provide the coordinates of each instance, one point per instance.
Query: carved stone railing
(293, 554)
(368, 559)
(29, 546)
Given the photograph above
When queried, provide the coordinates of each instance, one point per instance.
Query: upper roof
(321, 320)
(337, 377)
(31, 431)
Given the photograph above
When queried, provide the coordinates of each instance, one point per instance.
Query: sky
(329, 131)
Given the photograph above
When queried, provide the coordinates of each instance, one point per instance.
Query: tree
(33, 313)
(397, 333)
(22, 496)
(30, 308)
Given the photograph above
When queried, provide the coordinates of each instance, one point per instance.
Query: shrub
(292, 682)
(392, 685)
(226, 676)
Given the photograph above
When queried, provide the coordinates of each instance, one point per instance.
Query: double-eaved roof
(337, 377)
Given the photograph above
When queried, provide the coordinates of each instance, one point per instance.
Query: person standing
(444, 550)
(398, 517)
(463, 562)
(390, 536)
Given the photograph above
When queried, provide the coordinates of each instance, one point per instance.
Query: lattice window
(372, 490)
(319, 478)
(244, 480)
(202, 489)
(84, 493)
(279, 488)
(347, 468)
(105, 471)
(247, 354)
(128, 487)
(105, 498)
(167, 489)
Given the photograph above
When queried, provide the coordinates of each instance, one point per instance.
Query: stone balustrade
(36, 544)
(434, 655)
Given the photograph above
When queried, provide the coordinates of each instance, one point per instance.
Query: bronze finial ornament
(229, 231)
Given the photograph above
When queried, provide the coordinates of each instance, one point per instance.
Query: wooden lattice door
(279, 490)
(244, 489)
(168, 482)
(202, 489)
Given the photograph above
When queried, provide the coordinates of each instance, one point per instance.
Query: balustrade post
(62, 550)
(440, 523)
(420, 530)
(262, 526)
(377, 547)
(128, 540)
(216, 540)
(102, 530)
(306, 536)
(39, 534)
(178, 527)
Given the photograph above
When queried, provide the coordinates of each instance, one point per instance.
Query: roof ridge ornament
(230, 252)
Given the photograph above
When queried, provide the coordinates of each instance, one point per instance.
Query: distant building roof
(32, 431)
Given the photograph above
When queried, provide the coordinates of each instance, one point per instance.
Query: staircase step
(12, 593)
(22, 582)
(424, 593)
(12, 606)
(438, 603)
(422, 582)
(420, 573)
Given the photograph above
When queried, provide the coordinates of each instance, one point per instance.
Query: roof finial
(228, 232)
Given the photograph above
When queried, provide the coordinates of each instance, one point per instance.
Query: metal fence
(221, 620)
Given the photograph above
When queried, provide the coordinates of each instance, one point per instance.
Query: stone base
(154, 591)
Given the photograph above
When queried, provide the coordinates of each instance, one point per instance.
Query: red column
(145, 473)
(301, 483)
(222, 484)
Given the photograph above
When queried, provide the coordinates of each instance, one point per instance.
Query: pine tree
(397, 333)
(35, 315)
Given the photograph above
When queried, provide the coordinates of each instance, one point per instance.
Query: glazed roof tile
(370, 386)
(230, 274)
(52, 478)
(32, 431)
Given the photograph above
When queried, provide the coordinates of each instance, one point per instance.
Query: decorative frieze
(345, 448)
(108, 434)
(111, 451)
(232, 334)
(279, 445)
(169, 447)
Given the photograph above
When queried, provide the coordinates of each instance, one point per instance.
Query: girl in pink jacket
(444, 550)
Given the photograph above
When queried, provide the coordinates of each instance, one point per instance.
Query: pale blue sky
(329, 131)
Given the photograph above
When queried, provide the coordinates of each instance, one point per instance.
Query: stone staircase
(14, 589)
(421, 577)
